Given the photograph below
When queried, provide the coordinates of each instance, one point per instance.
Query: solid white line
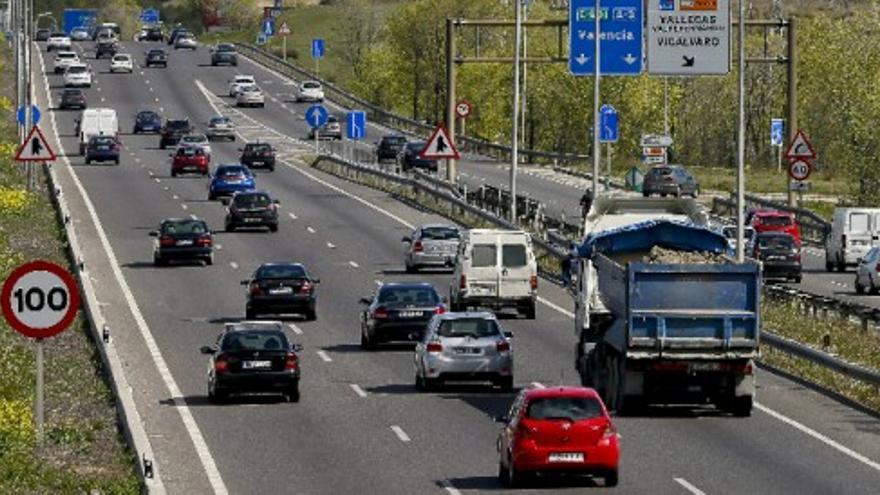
(447, 485)
(353, 264)
(219, 247)
(297, 330)
(555, 307)
(192, 428)
(400, 433)
(183, 205)
(324, 357)
(357, 389)
(689, 487)
(292, 216)
(818, 436)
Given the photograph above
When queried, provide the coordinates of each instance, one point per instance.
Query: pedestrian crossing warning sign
(35, 148)
(439, 146)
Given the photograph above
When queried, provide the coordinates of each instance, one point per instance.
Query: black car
(779, 255)
(147, 121)
(390, 146)
(42, 34)
(670, 179)
(410, 158)
(72, 98)
(102, 149)
(183, 239)
(156, 56)
(253, 356)
(153, 33)
(398, 311)
(106, 48)
(258, 154)
(252, 209)
(281, 288)
(224, 54)
(173, 130)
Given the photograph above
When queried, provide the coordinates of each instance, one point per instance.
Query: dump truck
(663, 314)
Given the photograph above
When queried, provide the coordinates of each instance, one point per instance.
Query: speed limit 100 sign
(462, 109)
(40, 299)
(799, 169)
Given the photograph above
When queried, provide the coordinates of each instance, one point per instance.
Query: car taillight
(305, 288)
(434, 347)
(204, 240)
(380, 313)
(291, 362)
(607, 435)
(877, 267)
(533, 281)
(255, 290)
(462, 283)
(797, 257)
(221, 365)
(503, 346)
(166, 241)
(439, 310)
(417, 247)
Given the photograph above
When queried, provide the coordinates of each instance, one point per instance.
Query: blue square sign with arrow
(620, 34)
(608, 124)
(356, 125)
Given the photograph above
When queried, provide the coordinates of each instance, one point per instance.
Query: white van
(853, 232)
(495, 269)
(96, 122)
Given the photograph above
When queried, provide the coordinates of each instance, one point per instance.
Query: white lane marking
(234, 265)
(297, 330)
(158, 180)
(103, 99)
(538, 385)
(555, 307)
(324, 356)
(331, 245)
(178, 197)
(353, 264)
(400, 433)
(157, 100)
(357, 389)
(311, 230)
(292, 216)
(822, 438)
(183, 205)
(189, 423)
(447, 485)
(689, 487)
(151, 89)
(193, 216)
(219, 247)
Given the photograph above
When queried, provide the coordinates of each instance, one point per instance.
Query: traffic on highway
(287, 331)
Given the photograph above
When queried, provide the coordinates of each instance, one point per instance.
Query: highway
(361, 426)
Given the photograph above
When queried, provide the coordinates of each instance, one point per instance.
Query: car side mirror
(245, 282)
(207, 350)
(364, 300)
(508, 335)
(406, 239)
(154, 233)
(502, 418)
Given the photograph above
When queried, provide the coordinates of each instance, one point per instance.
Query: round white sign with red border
(799, 169)
(40, 299)
(462, 109)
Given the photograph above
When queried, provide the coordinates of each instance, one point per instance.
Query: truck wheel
(505, 383)
(840, 266)
(741, 407)
(250, 314)
(530, 311)
(829, 266)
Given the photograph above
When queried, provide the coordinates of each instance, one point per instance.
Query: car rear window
(185, 227)
(775, 242)
(281, 271)
(513, 255)
(255, 340)
(661, 171)
(258, 148)
(220, 120)
(227, 171)
(311, 85)
(468, 327)
(571, 408)
(252, 200)
(776, 221)
(77, 69)
(147, 116)
(102, 140)
(66, 55)
(394, 139)
(483, 255)
(177, 124)
(859, 222)
(409, 295)
(440, 233)
(415, 146)
(194, 138)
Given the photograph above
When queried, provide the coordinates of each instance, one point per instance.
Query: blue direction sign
(268, 27)
(318, 48)
(149, 16)
(356, 127)
(620, 32)
(316, 116)
(35, 115)
(262, 39)
(608, 124)
(777, 131)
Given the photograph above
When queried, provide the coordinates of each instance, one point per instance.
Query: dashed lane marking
(357, 389)
(400, 433)
(324, 356)
(234, 265)
(689, 487)
(354, 264)
(297, 330)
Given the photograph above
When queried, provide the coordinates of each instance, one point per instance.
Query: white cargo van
(853, 232)
(96, 122)
(495, 269)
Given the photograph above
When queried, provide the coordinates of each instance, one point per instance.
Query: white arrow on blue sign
(356, 125)
(35, 115)
(608, 124)
(318, 48)
(777, 131)
(316, 116)
(261, 39)
(620, 33)
(149, 16)
(268, 27)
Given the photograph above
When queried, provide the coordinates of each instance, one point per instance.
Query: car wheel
(271, 168)
(420, 382)
(273, 228)
(829, 266)
(209, 260)
(859, 288)
(840, 266)
(158, 260)
(411, 269)
(646, 194)
(366, 342)
(88, 161)
(610, 478)
(798, 279)
(528, 310)
(741, 407)
(218, 396)
(311, 314)
(173, 173)
(116, 161)
(250, 314)
(293, 393)
(230, 227)
(211, 197)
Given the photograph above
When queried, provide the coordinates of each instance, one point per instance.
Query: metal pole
(608, 163)
(284, 48)
(515, 134)
(665, 105)
(525, 74)
(741, 135)
(38, 413)
(792, 92)
(451, 174)
(28, 95)
(596, 80)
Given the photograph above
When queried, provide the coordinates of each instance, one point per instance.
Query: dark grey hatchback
(252, 209)
(670, 179)
(183, 239)
(399, 311)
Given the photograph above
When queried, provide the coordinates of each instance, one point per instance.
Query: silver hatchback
(468, 346)
(431, 246)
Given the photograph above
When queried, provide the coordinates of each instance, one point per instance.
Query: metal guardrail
(814, 228)
(816, 306)
(405, 124)
(824, 359)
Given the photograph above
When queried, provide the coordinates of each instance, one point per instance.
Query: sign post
(284, 32)
(39, 300)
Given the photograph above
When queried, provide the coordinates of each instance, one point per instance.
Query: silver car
(197, 140)
(867, 275)
(464, 347)
(431, 246)
(220, 127)
(250, 96)
(186, 41)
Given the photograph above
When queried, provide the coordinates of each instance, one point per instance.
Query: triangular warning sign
(800, 147)
(35, 148)
(439, 146)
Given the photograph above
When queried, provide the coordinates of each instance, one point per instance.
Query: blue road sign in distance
(318, 48)
(268, 27)
(608, 124)
(620, 34)
(35, 115)
(262, 39)
(316, 116)
(356, 125)
(777, 132)
(149, 16)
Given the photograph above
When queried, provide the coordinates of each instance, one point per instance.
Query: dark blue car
(147, 121)
(102, 149)
(229, 179)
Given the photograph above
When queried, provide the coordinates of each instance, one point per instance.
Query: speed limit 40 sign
(40, 299)
(799, 169)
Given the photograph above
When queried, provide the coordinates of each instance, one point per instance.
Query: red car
(557, 430)
(775, 221)
(189, 159)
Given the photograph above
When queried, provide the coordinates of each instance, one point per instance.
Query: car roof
(281, 263)
(252, 192)
(560, 391)
(771, 213)
(408, 285)
(463, 315)
(247, 326)
(181, 219)
(438, 225)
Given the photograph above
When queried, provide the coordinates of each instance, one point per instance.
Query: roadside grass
(83, 450)
(765, 180)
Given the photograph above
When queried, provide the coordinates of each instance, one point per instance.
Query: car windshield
(184, 227)
(440, 233)
(256, 340)
(661, 171)
(225, 48)
(775, 242)
(219, 120)
(257, 148)
(252, 200)
(311, 85)
(281, 271)
(409, 295)
(468, 327)
(77, 69)
(776, 221)
(570, 408)
(250, 89)
(147, 116)
(416, 146)
(190, 151)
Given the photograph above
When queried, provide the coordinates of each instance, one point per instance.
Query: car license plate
(566, 457)
(281, 290)
(256, 365)
(410, 314)
(704, 366)
(466, 350)
(775, 257)
(185, 242)
(258, 163)
(251, 220)
(103, 148)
